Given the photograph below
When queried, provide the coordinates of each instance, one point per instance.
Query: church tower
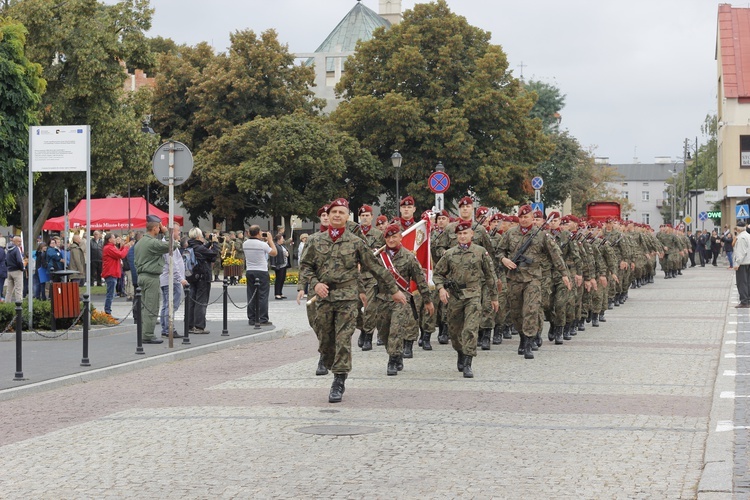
(390, 10)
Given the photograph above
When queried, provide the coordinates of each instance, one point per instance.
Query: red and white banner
(418, 243)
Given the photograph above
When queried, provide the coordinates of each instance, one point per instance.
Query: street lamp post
(396, 160)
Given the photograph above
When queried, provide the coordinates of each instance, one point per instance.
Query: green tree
(434, 88)
(21, 88)
(279, 167)
(549, 102)
(561, 169)
(81, 46)
(593, 182)
(702, 173)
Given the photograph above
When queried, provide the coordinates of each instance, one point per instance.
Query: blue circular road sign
(439, 182)
(537, 182)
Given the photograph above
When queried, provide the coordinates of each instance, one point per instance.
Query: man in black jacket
(200, 281)
(95, 250)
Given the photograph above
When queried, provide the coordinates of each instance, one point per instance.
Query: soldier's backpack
(191, 263)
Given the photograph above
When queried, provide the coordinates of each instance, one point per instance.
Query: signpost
(439, 182)
(537, 206)
(172, 165)
(537, 183)
(742, 212)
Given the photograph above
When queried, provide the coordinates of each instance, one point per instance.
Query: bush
(292, 277)
(42, 316)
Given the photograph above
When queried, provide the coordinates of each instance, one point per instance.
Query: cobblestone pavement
(622, 411)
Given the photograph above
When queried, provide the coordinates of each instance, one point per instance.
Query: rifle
(519, 259)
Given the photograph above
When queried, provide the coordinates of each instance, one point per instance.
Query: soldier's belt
(343, 284)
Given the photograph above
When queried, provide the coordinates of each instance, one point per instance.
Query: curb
(100, 373)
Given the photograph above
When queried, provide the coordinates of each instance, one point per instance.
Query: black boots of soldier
(392, 368)
(443, 333)
(601, 317)
(426, 341)
(361, 339)
(460, 362)
(408, 349)
(521, 344)
(367, 342)
(337, 388)
(468, 372)
(528, 348)
(497, 335)
(484, 338)
(566, 331)
(557, 334)
(595, 319)
(322, 370)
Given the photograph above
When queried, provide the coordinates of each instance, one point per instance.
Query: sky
(639, 76)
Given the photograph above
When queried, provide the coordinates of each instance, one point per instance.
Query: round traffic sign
(703, 216)
(439, 182)
(537, 182)
(183, 162)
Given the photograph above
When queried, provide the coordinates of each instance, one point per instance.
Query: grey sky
(639, 76)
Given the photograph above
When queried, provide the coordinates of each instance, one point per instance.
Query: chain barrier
(5, 330)
(244, 306)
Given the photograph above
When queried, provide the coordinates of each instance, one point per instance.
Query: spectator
(77, 260)
(693, 247)
(701, 248)
(3, 268)
(14, 263)
(96, 248)
(149, 262)
(256, 251)
(132, 283)
(200, 281)
(280, 263)
(178, 279)
(302, 242)
(715, 247)
(112, 266)
(41, 273)
(742, 265)
(728, 240)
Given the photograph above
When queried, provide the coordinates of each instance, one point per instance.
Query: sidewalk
(49, 363)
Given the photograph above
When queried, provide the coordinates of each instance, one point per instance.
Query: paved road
(633, 409)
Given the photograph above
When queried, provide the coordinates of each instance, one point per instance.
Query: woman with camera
(279, 264)
(200, 281)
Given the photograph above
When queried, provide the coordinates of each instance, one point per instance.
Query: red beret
(482, 211)
(564, 219)
(463, 226)
(323, 210)
(392, 229)
(407, 200)
(365, 209)
(466, 200)
(338, 202)
(498, 217)
(554, 214)
(427, 214)
(513, 218)
(538, 214)
(524, 209)
(381, 219)
(573, 218)
(444, 213)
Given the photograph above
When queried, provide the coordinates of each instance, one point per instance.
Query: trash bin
(65, 298)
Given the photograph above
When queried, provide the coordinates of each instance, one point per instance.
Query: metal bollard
(256, 303)
(188, 312)
(138, 324)
(19, 337)
(225, 330)
(85, 359)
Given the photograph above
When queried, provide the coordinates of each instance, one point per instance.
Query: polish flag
(418, 243)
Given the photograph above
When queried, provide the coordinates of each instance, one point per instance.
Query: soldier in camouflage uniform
(331, 264)
(501, 329)
(427, 320)
(393, 319)
(524, 275)
(561, 295)
(217, 265)
(442, 220)
(405, 221)
(460, 277)
(366, 319)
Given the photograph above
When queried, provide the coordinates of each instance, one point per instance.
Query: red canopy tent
(110, 213)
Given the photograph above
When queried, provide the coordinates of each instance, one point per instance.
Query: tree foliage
(549, 102)
(561, 169)
(282, 166)
(81, 46)
(21, 88)
(434, 88)
(593, 182)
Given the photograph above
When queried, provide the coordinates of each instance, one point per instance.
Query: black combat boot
(484, 338)
(426, 345)
(558, 333)
(536, 342)
(588, 317)
(322, 370)
(361, 339)
(610, 303)
(632, 284)
(617, 300)
(408, 352)
(601, 317)
(574, 328)
(507, 332)
(522, 344)
(595, 320)
(551, 332)
(513, 330)
(497, 335)
(380, 340)
(419, 339)
(528, 348)
(679, 272)
(443, 333)
(566, 331)
(391, 369)
(399, 362)
(367, 344)
(460, 362)
(337, 388)
(581, 326)
(468, 373)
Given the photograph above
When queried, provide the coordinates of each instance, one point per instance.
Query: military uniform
(367, 317)
(149, 262)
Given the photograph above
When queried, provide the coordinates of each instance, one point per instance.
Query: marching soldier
(394, 319)
(332, 263)
(442, 221)
(366, 320)
(561, 295)
(460, 277)
(405, 221)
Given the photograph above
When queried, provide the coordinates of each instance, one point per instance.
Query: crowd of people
(495, 276)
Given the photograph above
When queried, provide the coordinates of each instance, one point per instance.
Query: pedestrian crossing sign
(742, 212)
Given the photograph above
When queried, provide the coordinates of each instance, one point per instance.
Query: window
(645, 196)
(646, 218)
(745, 151)
(645, 184)
(625, 195)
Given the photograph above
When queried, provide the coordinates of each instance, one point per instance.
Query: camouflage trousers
(367, 318)
(334, 325)
(488, 315)
(427, 323)
(525, 306)
(463, 323)
(502, 316)
(393, 320)
(577, 303)
(561, 302)
(411, 331)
